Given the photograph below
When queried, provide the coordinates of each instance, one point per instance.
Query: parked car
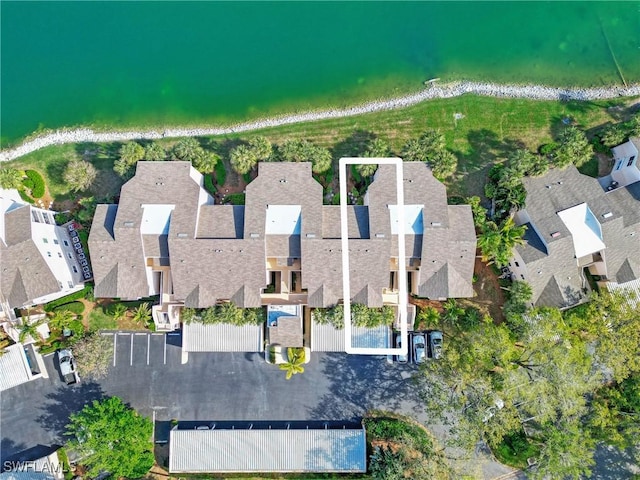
(435, 341)
(67, 366)
(419, 348)
(401, 358)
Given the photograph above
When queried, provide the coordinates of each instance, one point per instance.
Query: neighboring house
(575, 222)
(625, 164)
(260, 447)
(283, 246)
(38, 262)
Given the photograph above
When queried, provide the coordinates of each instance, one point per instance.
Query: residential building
(576, 222)
(274, 447)
(282, 247)
(38, 259)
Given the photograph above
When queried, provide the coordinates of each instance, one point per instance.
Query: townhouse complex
(577, 223)
(167, 237)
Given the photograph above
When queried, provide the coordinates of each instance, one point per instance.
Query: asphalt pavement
(147, 372)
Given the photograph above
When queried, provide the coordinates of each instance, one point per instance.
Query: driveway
(148, 373)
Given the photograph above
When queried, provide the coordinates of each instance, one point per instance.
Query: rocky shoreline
(433, 90)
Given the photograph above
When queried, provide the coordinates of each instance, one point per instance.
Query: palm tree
(204, 161)
(142, 313)
(489, 241)
(452, 312)
(10, 178)
(187, 149)
(154, 152)
(79, 175)
(262, 148)
(118, 311)
(61, 319)
(29, 329)
(294, 366)
(243, 159)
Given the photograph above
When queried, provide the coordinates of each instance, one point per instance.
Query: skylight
(156, 219)
(283, 220)
(413, 223)
(585, 229)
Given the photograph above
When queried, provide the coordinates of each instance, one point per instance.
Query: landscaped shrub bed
(74, 307)
(208, 183)
(225, 313)
(361, 316)
(221, 173)
(87, 290)
(35, 183)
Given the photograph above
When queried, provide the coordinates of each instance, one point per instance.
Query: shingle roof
(221, 221)
(272, 450)
(222, 337)
(24, 274)
(553, 272)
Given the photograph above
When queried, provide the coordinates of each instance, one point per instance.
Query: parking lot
(143, 349)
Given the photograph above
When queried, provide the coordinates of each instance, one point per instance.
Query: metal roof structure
(222, 337)
(13, 367)
(268, 450)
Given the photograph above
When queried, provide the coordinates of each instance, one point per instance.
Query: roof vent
(560, 182)
(283, 180)
(607, 215)
(311, 235)
(379, 235)
(255, 235)
(182, 235)
(436, 224)
(555, 234)
(548, 186)
(128, 224)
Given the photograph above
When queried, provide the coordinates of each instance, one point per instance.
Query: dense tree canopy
(243, 159)
(305, 151)
(154, 152)
(112, 437)
(376, 148)
(431, 148)
(79, 175)
(573, 148)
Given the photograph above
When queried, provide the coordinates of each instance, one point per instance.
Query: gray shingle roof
(221, 337)
(24, 274)
(552, 271)
(221, 221)
(273, 450)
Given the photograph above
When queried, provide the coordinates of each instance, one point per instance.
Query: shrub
(35, 183)
(235, 199)
(73, 307)
(25, 197)
(227, 313)
(221, 173)
(208, 183)
(49, 307)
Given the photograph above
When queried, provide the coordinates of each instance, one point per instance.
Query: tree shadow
(66, 401)
(486, 150)
(9, 449)
(354, 145)
(360, 383)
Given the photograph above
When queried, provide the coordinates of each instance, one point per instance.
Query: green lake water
(164, 63)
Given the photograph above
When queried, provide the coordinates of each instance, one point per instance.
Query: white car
(67, 366)
(419, 348)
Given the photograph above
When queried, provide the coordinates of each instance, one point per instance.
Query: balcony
(390, 296)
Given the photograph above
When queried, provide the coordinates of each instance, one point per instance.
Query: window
(69, 255)
(55, 241)
(61, 286)
(75, 270)
(49, 254)
(70, 284)
(630, 162)
(619, 165)
(44, 240)
(517, 264)
(59, 254)
(522, 276)
(66, 244)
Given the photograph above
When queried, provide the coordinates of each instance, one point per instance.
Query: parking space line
(148, 348)
(115, 344)
(131, 356)
(165, 349)
(141, 333)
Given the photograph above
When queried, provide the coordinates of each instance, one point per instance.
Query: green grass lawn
(489, 130)
(100, 320)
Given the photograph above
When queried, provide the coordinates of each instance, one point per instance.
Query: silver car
(419, 348)
(435, 341)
